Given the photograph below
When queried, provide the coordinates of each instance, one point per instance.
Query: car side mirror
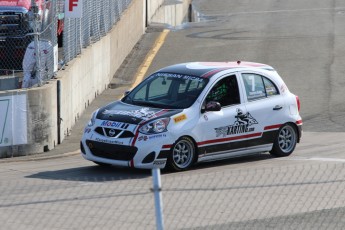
(126, 93)
(212, 106)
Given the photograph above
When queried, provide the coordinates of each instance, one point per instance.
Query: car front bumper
(143, 151)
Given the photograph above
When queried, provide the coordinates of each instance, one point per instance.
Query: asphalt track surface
(304, 41)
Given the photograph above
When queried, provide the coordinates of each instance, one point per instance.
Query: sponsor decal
(180, 118)
(271, 90)
(157, 136)
(143, 113)
(112, 132)
(152, 137)
(109, 141)
(159, 162)
(142, 138)
(180, 76)
(87, 130)
(256, 94)
(205, 117)
(114, 124)
(241, 125)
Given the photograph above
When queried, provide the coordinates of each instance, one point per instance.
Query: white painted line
(300, 158)
(326, 159)
(279, 11)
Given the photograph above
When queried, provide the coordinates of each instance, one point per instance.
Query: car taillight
(298, 103)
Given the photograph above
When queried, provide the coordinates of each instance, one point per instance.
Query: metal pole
(157, 190)
(36, 23)
(59, 119)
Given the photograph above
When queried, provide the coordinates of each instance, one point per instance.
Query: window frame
(173, 91)
(241, 74)
(216, 82)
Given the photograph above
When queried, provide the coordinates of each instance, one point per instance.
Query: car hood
(132, 114)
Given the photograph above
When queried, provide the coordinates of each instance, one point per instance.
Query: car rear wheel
(182, 155)
(285, 141)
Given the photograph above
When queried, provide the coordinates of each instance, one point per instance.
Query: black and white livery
(195, 112)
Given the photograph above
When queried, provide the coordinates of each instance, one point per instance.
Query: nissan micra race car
(195, 112)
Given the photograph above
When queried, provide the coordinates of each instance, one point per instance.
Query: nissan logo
(112, 132)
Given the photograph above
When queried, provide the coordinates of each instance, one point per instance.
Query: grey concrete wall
(41, 121)
(172, 14)
(83, 79)
(152, 7)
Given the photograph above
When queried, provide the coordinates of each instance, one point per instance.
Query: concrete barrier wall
(78, 85)
(172, 14)
(40, 122)
(42, 119)
(152, 7)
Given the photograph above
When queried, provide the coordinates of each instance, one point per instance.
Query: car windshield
(167, 90)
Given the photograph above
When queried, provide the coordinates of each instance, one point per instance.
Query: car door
(223, 133)
(263, 104)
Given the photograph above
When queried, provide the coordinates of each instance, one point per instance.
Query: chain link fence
(28, 33)
(28, 29)
(98, 18)
(300, 196)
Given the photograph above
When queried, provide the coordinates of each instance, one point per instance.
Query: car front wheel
(285, 141)
(182, 155)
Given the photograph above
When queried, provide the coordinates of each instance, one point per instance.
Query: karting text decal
(241, 125)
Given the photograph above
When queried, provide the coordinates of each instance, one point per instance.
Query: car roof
(208, 69)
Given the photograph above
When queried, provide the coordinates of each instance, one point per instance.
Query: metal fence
(25, 32)
(98, 18)
(300, 196)
(27, 40)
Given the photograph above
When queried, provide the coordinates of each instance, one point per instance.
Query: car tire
(182, 155)
(103, 165)
(285, 142)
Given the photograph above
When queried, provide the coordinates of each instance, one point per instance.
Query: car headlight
(156, 126)
(93, 118)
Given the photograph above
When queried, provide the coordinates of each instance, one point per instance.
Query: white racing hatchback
(195, 112)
